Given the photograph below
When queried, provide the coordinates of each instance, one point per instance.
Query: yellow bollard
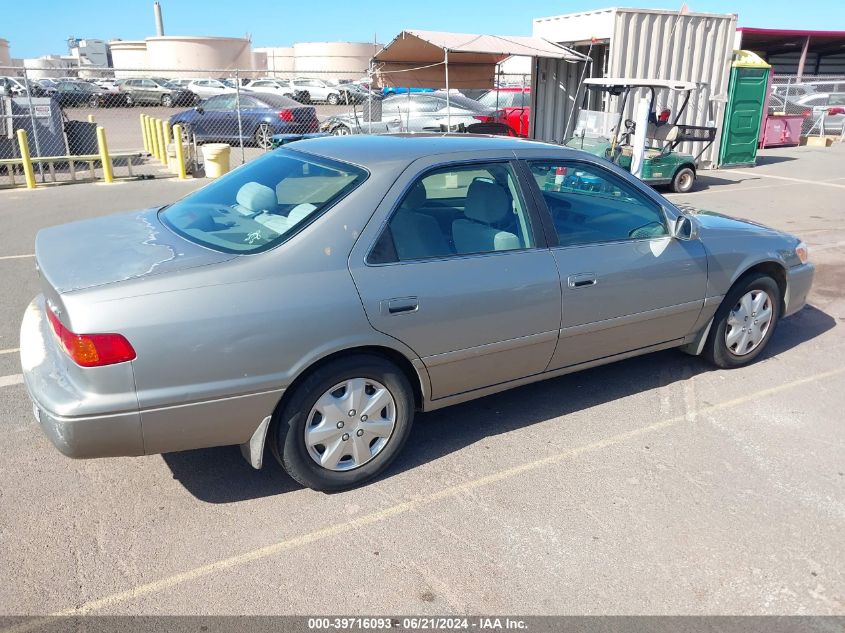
(166, 127)
(144, 135)
(108, 174)
(91, 118)
(153, 138)
(28, 172)
(162, 148)
(180, 152)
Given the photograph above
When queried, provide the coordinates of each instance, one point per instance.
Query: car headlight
(802, 252)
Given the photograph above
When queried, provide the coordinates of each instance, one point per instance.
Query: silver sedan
(310, 302)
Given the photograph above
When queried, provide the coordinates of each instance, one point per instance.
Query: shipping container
(641, 44)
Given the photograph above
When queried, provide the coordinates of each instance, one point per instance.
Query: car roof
(373, 150)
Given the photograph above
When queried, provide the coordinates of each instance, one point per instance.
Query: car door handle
(582, 280)
(402, 305)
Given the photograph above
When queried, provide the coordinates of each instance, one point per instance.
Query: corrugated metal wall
(557, 82)
(696, 47)
(652, 45)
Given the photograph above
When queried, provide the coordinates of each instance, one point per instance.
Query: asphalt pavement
(657, 485)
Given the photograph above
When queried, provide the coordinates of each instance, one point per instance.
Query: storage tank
(176, 55)
(5, 56)
(642, 44)
(334, 60)
(48, 66)
(279, 61)
(129, 58)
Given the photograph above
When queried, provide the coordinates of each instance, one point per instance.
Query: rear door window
(263, 203)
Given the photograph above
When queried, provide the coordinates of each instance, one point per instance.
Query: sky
(39, 28)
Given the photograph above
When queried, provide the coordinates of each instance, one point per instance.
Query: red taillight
(483, 118)
(286, 115)
(91, 350)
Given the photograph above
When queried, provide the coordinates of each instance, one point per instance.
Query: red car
(512, 108)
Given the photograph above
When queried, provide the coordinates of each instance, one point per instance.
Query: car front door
(454, 265)
(628, 284)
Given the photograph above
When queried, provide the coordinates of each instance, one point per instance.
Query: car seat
(253, 198)
(417, 235)
(487, 204)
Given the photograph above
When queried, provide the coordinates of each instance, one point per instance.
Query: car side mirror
(199, 109)
(685, 228)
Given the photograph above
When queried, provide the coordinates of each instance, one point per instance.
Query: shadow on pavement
(764, 159)
(221, 475)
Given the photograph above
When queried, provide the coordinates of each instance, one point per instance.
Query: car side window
(836, 100)
(589, 204)
(248, 102)
(457, 210)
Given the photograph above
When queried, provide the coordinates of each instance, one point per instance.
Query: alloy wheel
(264, 136)
(350, 424)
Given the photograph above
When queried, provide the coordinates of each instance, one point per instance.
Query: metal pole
(448, 104)
(370, 96)
(238, 107)
(34, 126)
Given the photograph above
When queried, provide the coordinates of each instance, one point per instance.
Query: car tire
(166, 101)
(263, 136)
(94, 101)
(333, 99)
(683, 180)
(727, 346)
(302, 410)
(341, 130)
(130, 102)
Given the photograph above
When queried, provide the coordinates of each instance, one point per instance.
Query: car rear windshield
(262, 204)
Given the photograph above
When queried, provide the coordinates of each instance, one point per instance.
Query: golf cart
(600, 133)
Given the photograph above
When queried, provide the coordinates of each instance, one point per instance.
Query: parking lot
(656, 485)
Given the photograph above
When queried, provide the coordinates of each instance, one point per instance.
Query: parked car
(318, 296)
(512, 107)
(156, 91)
(320, 90)
(82, 93)
(777, 104)
(262, 116)
(280, 87)
(822, 103)
(205, 88)
(20, 87)
(352, 93)
(413, 112)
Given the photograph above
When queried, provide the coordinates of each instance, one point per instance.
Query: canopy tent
(436, 59)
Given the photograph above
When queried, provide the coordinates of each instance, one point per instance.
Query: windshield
(505, 99)
(260, 205)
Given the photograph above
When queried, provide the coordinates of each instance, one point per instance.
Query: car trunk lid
(112, 249)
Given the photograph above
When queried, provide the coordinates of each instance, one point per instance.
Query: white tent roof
(416, 58)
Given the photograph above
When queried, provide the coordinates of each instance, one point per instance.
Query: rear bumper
(799, 280)
(71, 416)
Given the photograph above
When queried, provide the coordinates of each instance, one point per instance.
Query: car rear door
(627, 283)
(454, 265)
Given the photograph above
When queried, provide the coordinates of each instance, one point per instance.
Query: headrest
(416, 197)
(255, 197)
(300, 212)
(486, 202)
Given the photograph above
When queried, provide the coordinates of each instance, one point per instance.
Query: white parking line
(17, 256)
(11, 350)
(8, 381)
(801, 180)
(401, 508)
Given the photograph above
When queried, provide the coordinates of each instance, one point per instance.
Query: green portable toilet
(744, 110)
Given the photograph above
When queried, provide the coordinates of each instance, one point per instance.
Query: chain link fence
(239, 113)
(820, 100)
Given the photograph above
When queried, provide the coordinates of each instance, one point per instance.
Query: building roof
(779, 41)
